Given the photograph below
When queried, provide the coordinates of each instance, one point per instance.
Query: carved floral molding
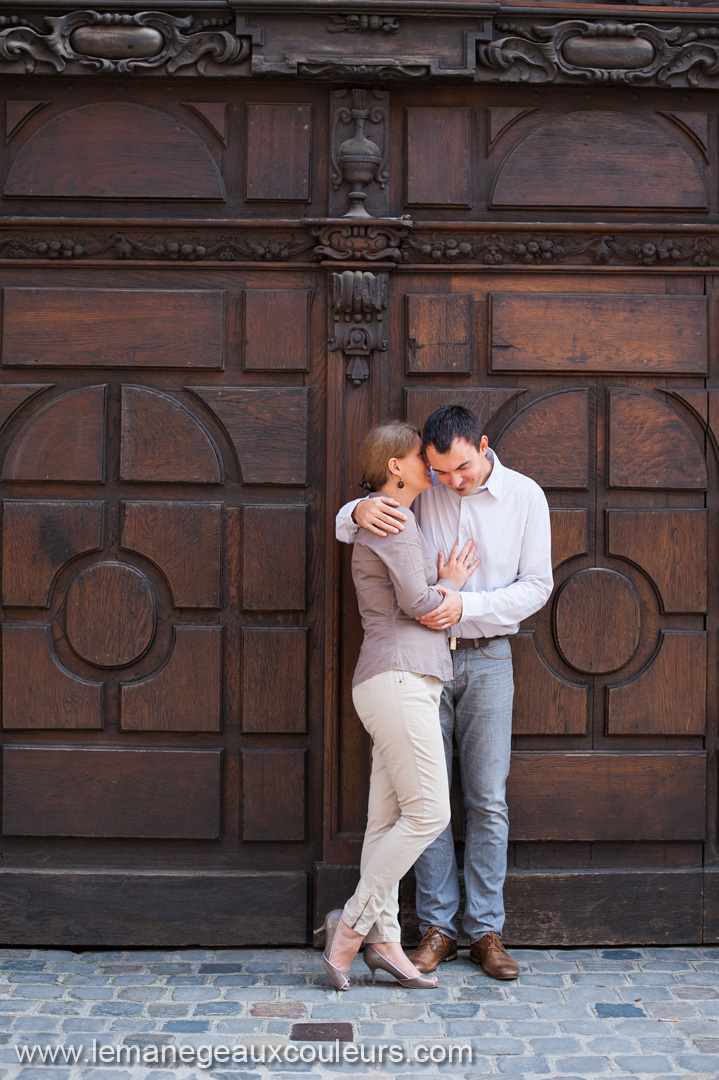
(375, 243)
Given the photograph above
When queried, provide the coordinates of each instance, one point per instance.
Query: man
(506, 514)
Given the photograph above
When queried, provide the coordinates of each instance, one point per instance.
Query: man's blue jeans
(475, 711)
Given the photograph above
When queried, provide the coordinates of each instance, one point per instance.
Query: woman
(396, 689)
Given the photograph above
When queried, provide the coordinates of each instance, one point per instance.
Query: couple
(435, 665)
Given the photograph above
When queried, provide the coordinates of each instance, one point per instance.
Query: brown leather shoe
(491, 954)
(435, 948)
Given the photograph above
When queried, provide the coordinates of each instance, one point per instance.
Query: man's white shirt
(508, 519)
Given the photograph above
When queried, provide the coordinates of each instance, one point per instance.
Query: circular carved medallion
(109, 614)
(597, 621)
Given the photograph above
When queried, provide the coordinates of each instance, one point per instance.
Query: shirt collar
(495, 481)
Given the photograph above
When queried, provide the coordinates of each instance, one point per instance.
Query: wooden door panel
(560, 420)
(64, 441)
(668, 696)
(644, 537)
(625, 334)
(160, 612)
(104, 793)
(650, 445)
(113, 328)
(270, 126)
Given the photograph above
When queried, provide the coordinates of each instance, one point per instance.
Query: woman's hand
(460, 564)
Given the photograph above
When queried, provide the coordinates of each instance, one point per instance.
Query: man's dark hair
(450, 423)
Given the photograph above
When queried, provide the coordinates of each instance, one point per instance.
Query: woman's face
(415, 470)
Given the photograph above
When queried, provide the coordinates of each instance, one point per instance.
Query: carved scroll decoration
(354, 24)
(111, 42)
(357, 242)
(575, 50)
(358, 301)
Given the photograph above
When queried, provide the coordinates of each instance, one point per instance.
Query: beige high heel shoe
(374, 961)
(331, 925)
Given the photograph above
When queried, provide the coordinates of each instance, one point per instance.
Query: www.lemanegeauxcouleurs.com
(206, 1056)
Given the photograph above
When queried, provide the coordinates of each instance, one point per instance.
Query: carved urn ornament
(358, 159)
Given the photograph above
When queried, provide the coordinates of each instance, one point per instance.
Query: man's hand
(449, 612)
(379, 515)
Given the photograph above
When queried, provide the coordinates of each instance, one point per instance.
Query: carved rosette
(358, 301)
(120, 43)
(576, 50)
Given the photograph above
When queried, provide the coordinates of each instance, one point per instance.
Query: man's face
(464, 468)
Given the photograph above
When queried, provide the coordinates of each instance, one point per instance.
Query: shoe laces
(494, 942)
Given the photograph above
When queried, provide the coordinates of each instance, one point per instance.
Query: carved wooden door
(587, 357)
(162, 654)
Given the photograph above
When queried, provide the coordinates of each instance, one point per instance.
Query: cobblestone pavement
(649, 1013)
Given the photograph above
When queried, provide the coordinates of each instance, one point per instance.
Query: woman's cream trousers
(408, 795)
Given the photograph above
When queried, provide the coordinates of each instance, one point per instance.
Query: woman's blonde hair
(386, 441)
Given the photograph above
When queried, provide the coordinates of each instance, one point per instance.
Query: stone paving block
(541, 979)
(62, 1008)
(696, 1027)
(559, 967)
(163, 1009)
(605, 1009)
(576, 1010)
(33, 991)
(38, 977)
(673, 952)
(694, 993)
(92, 993)
(195, 993)
(623, 954)
(699, 978)
(608, 1045)
(455, 1010)
(345, 1011)
(16, 1005)
(237, 980)
(524, 1029)
(644, 1063)
(146, 979)
(217, 1008)
(652, 978)
(591, 993)
(708, 1008)
(84, 1024)
(585, 1066)
(233, 1026)
(536, 994)
(667, 1044)
(557, 1045)
(36, 1023)
(44, 1072)
(646, 993)
(587, 1027)
(598, 979)
(640, 1027)
(252, 993)
(524, 1066)
(116, 1008)
(186, 1026)
(707, 1046)
(671, 1009)
(512, 1012)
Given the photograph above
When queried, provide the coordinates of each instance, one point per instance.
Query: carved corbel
(358, 301)
(359, 241)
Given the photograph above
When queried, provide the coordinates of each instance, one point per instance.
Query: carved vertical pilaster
(359, 147)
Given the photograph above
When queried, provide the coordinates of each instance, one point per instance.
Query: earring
(400, 483)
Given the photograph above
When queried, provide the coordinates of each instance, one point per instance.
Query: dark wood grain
(438, 156)
(587, 603)
(598, 158)
(607, 796)
(83, 327)
(109, 614)
(162, 908)
(574, 332)
(38, 539)
(184, 540)
(570, 534)
(114, 150)
(274, 680)
(273, 550)
(668, 696)
(38, 692)
(670, 546)
(544, 702)
(267, 428)
(273, 794)
(185, 695)
(650, 446)
(54, 791)
(162, 440)
(64, 441)
(270, 126)
(276, 329)
(439, 333)
(559, 420)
